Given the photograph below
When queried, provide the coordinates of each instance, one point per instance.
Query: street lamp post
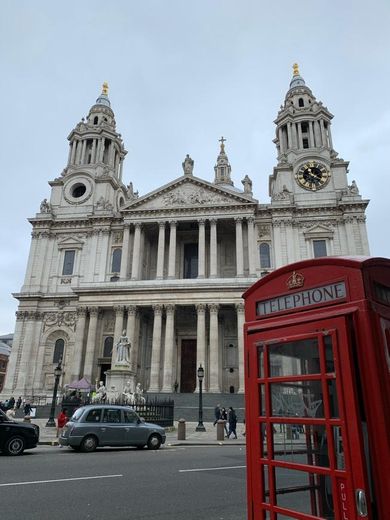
(200, 427)
(57, 375)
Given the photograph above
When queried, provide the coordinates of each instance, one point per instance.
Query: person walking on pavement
(224, 417)
(18, 402)
(11, 403)
(232, 418)
(217, 414)
(27, 408)
(62, 419)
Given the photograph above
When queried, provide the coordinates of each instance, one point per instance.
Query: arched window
(116, 260)
(300, 102)
(108, 344)
(95, 120)
(265, 255)
(58, 351)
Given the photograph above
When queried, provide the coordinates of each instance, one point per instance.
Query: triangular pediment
(189, 191)
(70, 242)
(319, 230)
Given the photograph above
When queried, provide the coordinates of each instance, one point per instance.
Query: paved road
(184, 483)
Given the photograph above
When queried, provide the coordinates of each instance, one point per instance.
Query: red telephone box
(317, 363)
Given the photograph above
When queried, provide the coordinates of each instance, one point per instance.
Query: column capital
(214, 307)
(170, 308)
(81, 311)
(173, 223)
(240, 307)
(138, 225)
(201, 308)
(126, 225)
(161, 224)
(157, 308)
(132, 310)
(119, 309)
(93, 311)
(238, 220)
(251, 219)
(201, 221)
(213, 221)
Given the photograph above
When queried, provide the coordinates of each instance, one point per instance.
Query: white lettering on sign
(318, 296)
(344, 502)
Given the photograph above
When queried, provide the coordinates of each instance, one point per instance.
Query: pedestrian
(11, 403)
(232, 418)
(224, 417)
(62, 419)
(27, 408)
(18, 402)
(217, 414)
(10, 413)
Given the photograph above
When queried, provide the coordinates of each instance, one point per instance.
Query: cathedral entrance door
(188, 366)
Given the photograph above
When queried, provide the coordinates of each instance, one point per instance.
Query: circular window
(78, 190)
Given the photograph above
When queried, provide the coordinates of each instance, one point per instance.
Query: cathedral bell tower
(223, 169)
(308, 166)
(92, 179)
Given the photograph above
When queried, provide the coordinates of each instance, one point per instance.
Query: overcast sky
(181, 74)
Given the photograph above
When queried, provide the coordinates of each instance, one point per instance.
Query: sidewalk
(193, 438)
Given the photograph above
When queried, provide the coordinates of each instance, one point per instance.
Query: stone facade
(170, 267)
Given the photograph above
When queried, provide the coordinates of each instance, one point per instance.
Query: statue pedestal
(117, 378)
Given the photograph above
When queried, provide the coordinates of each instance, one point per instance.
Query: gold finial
(222, 141)
(296, 69)
(105, 88)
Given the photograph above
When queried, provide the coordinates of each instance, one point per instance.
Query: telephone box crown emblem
(295, 280)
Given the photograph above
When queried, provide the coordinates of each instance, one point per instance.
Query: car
(94, 426)
(15, 437)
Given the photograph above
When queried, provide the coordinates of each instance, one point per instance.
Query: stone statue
(45, 206)
(123, 349)
(353, 189)
(138, 394)
(128, 397)
(101, 394)
(247, 185)
(188, 165)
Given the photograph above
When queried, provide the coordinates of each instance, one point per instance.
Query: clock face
(312, 176)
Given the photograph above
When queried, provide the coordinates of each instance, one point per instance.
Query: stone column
(79, 343)
(201, 249)
(214, 386)
(213, 248)
(300, 140)
(104, 236)
(130, 332)
(92, 255)
(156, 350)
(169, 348)
(311, 134)
(323, 133)
(239, 247)
(31, 258)
(240, 343)
(160, 251)
(17, 346)
(26, 357)
(136, 252)
(73, 154)
(200, 339)
(251, 246)
(277, 242)
(330, 137)
(289, 143)
(281, 143)
(172, 251)
(125, 252)
(93, 151)
(294, 135)
(91, 342)
(317, 133)
(101, 151)
(82, 159)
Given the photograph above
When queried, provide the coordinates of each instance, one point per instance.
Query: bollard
(221, 430)
(181, 430)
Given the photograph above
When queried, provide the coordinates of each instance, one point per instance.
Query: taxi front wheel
(154, 442)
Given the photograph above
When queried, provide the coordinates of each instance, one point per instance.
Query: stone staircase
(187, 405)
